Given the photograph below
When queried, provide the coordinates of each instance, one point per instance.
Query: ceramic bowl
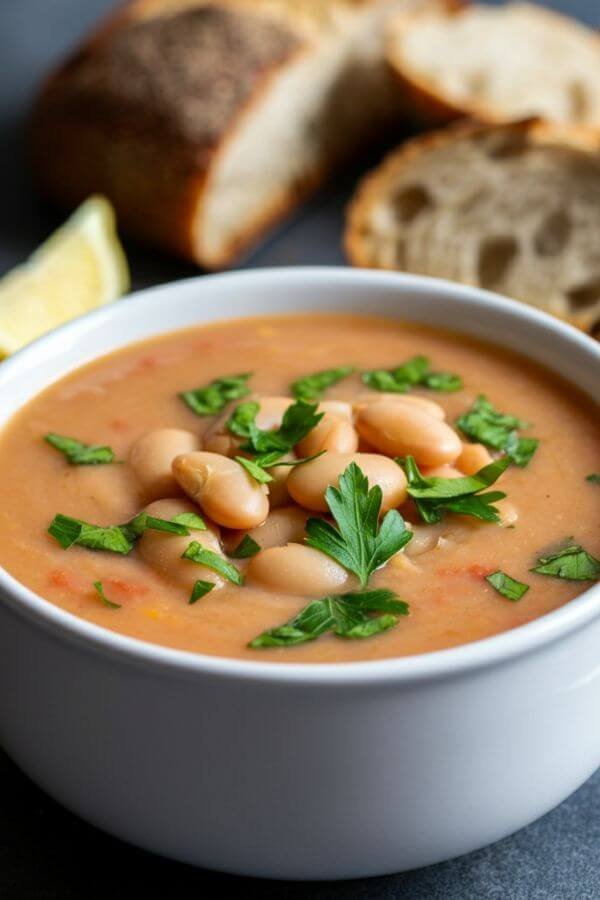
(300, 771)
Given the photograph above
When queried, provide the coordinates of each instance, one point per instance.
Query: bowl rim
(440, 664)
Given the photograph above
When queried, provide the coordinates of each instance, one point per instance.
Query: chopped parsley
(200, 589)
(507, 586)
(593, 478)
(572, 563)
(414, 373)
(117, 538)
(246, 548)
(498, 430)
(346, 615)
(100, 591)
(268, 447)
(68, 531)
(78, 453)
(214, 397)
(312, 387)
(203, 557)
(434, 496)
(358, 542)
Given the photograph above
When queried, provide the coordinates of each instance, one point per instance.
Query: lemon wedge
(81, 266)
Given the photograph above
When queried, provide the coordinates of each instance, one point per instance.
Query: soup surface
(440, 574)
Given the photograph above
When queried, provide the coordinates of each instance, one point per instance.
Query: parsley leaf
(100, 591)
(191, 520)
(246, 548)
(268, 447)
(68, 531)
(358, 543)
(311, 387)
(203, 557)
(118, 538)
(593, 478)
(507, 586)
(572, 563)
(433, 496)
(412, 373)
(214, 397)
(254, 470)
(200, 589)
(79, 454)
(487, 425)
(346, 615)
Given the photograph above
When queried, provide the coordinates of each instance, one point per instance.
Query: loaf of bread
(496, 64)
(513, 208)
(205, 122)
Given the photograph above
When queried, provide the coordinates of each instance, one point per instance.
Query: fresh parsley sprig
(359, 542)
(572, 563)
(312, 387)
(434, 496)
(509, 587)
(594, 478)
(214, 397)
(78, 453)
(415, 372)
(346, 615)
(499, 430)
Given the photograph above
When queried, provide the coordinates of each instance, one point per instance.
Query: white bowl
(301, 771)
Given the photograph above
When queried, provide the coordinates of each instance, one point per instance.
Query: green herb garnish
(80, 454)
(191, 520)
(485, 424)
(104, 598)
(254, 470)
(346, 615)
(359, 543)
(212, 399)
(246, 548)
(200, 589)
(118, 538)
(69, 531)
(507, 586)
(434, 496)
(415, 372)
(572, 563)
(311, 387)
(593, 478)
(143, 522)
(203, 557)
(268, 447)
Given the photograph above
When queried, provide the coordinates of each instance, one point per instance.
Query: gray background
(47, 853)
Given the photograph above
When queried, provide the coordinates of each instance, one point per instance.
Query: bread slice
(496, 64)
(512, 208)
(205, 122)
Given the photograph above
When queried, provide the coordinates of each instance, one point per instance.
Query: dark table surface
(46, 852)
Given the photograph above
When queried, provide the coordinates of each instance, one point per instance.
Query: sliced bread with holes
(205, 122)
(511, 208)
(496, 64)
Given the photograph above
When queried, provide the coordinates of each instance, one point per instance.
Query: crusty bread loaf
(205, 122)
(511, 208)
(496, 64)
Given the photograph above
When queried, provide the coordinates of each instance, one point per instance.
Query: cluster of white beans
(177, 472)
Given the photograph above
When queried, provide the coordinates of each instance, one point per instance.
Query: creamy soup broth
(119, 398)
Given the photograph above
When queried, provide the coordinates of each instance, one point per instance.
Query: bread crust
(137, 116)
(428, 105)
(378, 182)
